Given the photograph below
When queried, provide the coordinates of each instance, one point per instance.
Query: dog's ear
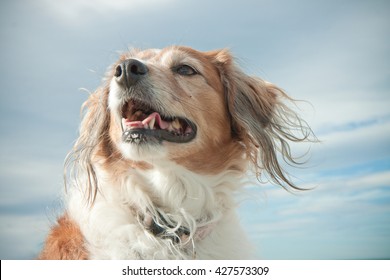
(93, 131)
(260, 119)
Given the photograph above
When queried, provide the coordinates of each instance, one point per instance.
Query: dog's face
(170, 104)
(195, 109)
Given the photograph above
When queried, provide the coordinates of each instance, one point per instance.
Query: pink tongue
(145, 123)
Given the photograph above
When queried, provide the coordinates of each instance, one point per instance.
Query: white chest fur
(203, 204)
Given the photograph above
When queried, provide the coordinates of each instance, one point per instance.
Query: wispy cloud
(333, 54)
(355, 125)
(344, 209)
(27, 182)
(76, 12)
(22, 235)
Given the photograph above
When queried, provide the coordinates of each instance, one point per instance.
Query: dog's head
(170, 105)
(195, 109)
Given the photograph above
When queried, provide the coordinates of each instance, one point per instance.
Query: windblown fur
(164, 198)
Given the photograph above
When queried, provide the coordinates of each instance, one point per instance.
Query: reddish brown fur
(211, 113)
(240, 119)
(65, 242)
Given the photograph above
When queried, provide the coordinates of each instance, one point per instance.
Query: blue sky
(334, 54)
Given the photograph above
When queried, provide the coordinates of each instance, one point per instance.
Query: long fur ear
(93, 131)
(261, 120)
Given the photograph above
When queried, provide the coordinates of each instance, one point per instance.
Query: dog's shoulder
(64, 242)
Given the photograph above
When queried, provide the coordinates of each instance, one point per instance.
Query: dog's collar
(160, 227)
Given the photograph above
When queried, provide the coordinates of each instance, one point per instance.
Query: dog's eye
(185, 70)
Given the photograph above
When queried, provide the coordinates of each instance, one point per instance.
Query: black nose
(130, 71)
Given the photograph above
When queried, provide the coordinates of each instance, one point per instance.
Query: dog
(165, 145)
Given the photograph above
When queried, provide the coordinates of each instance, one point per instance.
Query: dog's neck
(192, 207)
(190, 200)
(158, 226)
(183, 204)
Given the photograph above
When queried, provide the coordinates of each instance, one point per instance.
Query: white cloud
(25, 182)
(370, 181)
(338, 63)
(351, 147)
(341, 150)
(74, 12)
(340, 194)
(28, 230)
(340, 66)
(324, 222)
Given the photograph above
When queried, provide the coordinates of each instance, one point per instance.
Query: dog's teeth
(170, 127)
(176, 124)
(151, 124)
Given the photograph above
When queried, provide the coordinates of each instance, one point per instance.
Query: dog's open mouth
(142, 123)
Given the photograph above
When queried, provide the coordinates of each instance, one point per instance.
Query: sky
(334, 54)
